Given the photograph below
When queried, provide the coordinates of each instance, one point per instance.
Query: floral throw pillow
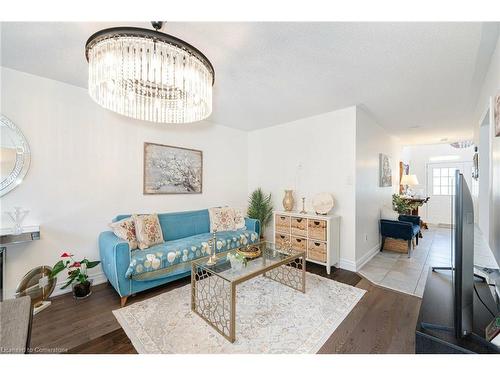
(148, 230)
(239, 219)
(125, 229)
(221, 219)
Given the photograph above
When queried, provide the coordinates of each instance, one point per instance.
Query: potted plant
(77, 274)
(403, 206)
(260, 207)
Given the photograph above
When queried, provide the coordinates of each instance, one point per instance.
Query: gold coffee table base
(213, 288)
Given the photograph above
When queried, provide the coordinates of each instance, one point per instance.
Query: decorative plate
(322, 203)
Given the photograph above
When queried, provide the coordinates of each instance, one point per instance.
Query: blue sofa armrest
(414, 219)
(115, 260)
(396, 229)
(252, 224)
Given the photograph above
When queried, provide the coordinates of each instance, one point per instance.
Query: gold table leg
(214, 300)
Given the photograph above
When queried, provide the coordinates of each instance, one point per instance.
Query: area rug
(270, 318)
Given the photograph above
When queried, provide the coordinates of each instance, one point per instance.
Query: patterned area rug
(270, 318)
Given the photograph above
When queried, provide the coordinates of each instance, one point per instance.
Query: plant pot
(82, 290)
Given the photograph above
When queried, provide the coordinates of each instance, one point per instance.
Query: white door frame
(488, 116)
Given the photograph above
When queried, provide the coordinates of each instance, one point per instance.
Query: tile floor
(397, 271)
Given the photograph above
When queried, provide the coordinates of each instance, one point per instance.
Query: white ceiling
(418, 79)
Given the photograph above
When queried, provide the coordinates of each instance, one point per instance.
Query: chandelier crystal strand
(149, 79)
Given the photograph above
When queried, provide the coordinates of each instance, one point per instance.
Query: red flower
(76, 264)
(66, 255)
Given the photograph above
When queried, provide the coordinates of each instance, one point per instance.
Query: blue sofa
(405, 228)
(186, 236)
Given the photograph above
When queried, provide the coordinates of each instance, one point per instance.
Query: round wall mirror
(14, 155)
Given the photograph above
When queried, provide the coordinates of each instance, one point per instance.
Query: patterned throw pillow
(148, 230)
(221, 219)
(239, 219)
(125, 229)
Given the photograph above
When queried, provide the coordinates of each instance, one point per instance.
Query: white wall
(87, 166)
(491, 88)
(371, 140)
(310, 155)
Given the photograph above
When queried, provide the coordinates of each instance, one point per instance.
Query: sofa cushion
(125, 229)
(176, 225)
(160, 259)
(221, 219)
(147, 230)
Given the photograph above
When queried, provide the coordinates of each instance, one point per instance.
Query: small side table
(7, 238)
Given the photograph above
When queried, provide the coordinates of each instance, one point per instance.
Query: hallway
(408, 275)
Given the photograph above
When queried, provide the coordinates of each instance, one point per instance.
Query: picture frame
(385, 171)
(172, 170)
(496, 115)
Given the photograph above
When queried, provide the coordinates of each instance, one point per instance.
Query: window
(443, 181)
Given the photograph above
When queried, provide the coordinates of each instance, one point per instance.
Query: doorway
(441, 188)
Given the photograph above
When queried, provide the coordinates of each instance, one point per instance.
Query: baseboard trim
(355, 266)
(98, 278)
(368, 256)
(347, 264)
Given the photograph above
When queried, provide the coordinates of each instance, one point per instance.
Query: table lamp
(409, 180)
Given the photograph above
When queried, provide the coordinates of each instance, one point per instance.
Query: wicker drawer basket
(282, 223)
(299, 244)
(317, 229)
(299, 226)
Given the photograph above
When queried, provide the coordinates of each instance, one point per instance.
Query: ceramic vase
(288, 200)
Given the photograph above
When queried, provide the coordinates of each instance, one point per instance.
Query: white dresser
(317, 235)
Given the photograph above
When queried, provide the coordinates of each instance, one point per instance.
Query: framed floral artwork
(385, 171)
(172, 170)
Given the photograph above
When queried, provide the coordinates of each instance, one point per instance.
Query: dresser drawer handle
(317, 244)
(298, 240)
(299, 220)
(282, 237)
(316, 223)
(283, 217)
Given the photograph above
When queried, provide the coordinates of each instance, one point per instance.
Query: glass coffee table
(213, 287)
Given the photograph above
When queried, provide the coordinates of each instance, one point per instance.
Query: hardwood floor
(382, 322)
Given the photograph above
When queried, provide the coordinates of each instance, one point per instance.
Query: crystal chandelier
(462, 144)
(149, 75)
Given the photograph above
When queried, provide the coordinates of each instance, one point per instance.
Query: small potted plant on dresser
(77, 274)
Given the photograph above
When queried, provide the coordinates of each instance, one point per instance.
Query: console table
(317, 235)
(7, 238)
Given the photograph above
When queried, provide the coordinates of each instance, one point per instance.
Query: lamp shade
(409, 179)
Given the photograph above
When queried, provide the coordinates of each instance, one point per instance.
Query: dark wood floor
(382, 322)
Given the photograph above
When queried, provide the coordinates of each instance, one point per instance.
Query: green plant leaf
(260, 207)
(58, 267)
(92, 264)
(70, 279)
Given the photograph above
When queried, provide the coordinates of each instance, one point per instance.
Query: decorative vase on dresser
(317, 235)
(288, 200)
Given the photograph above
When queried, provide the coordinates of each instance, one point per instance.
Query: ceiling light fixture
(462, 144)
(149, 75)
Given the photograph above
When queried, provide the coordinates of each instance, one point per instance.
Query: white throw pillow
(239, 219)
(147, 230)
(221, 219)
(388, 214)
(125, 229)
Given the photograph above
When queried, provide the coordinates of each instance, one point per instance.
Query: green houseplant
(77, 274)
(403, 206)
(260, 207)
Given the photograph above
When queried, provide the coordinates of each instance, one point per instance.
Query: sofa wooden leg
(417, 237)
(383, 242)
(409, 248)
(123, 301)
